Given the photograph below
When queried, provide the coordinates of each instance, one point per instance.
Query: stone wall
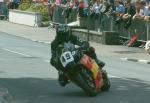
(105, 37)
(25, 18)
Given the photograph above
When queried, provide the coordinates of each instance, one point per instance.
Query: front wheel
(106, 80)
(81, 82)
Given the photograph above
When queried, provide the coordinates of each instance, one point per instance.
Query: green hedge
(43, 9)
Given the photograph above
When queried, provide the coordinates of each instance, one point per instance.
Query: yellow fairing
(95, 69)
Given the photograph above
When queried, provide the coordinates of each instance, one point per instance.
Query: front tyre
(81, 82)
(106, 80)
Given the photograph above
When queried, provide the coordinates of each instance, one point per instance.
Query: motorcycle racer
(63, 35)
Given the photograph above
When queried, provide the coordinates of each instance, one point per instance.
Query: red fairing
(99, 80)
(86, 61)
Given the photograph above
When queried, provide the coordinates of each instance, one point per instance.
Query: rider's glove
(85, 45)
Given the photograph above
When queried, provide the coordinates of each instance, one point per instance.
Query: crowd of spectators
(121, 10)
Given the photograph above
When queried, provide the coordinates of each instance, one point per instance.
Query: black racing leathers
(56, 42)
(73, 39)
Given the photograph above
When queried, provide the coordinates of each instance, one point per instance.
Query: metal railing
(107, 23)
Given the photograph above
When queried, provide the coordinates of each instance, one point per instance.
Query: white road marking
(143, 61)
(16, 52)
(123, 58)
(127, 79)
(136, 60)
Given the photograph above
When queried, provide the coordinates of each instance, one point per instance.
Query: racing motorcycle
(82, 70)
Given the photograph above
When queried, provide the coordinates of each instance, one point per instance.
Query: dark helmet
(62, 31)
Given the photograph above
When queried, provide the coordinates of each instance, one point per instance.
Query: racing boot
(100, 63)
(63, 80)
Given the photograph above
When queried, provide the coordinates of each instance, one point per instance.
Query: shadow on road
(37, 90)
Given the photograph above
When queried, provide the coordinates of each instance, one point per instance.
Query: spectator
(83, 8)
(58, 3)
(144, 11)
(96, 9)
(51, 8)
(137, 6)
(69, 6)
(105, 7)
(96, 14)
(72, 3)
(147, 17)
(111, 2)
(16, 3)
(129, 13)
(119, 10)
(130, 8)
(137, 9)
(58, 9)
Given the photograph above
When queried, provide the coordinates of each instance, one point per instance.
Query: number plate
(66, 58)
